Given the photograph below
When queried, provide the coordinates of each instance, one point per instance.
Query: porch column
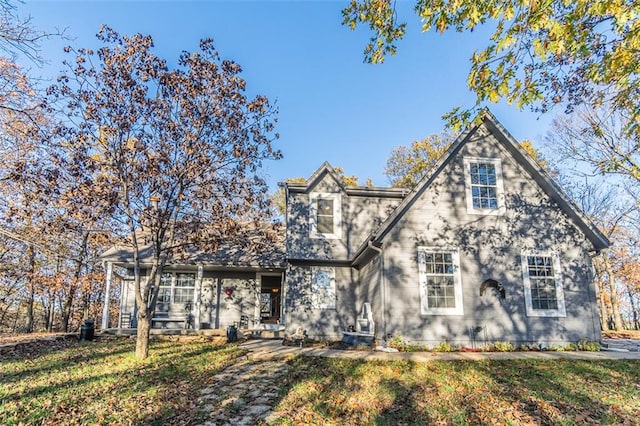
(283, 297)
(197, 299)
(107, 296)
(258, 301)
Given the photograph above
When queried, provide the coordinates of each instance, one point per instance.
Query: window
(542, 285)
(164, 296)
(177, 288)
(323, 288)
(483, 180)
(483, 186)
(439, 275)
(325, 216)
(184, 289)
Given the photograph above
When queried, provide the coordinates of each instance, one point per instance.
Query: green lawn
(102, 383)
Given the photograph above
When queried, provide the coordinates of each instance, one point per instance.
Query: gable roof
(327, 169)
(487, 119)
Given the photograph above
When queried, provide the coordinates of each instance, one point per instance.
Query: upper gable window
(543, 292)
(325, 215)
(484, 187)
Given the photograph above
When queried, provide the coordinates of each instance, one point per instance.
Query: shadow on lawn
(111, 386)
(461, 392)
(54, 361)
(572, 390)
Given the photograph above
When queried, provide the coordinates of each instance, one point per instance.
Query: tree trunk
(31, 254)
(73, 286)
(28, 327)
(605, 313)
(634, 310)
(142, 340)
(615, 306)
(46, 315)
(49, 312)
(146, 298)
(66, 311)
(50, 320)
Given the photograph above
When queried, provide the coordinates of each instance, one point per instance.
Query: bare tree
(18, 36)
(602, 169)
(598, 139)
(175, 154)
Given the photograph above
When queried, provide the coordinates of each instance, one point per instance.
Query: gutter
(368, 244)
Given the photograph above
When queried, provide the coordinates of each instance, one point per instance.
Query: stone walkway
(245, 392)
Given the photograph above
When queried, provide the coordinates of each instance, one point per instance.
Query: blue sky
(332, 106)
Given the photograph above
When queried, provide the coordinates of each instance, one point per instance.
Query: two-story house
(485, 247)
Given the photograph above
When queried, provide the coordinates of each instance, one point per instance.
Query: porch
(266, 332)
(209, 300)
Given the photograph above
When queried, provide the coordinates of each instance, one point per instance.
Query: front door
(270, 298)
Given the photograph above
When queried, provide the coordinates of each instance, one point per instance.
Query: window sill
(443, 312)
(316, 236)
(487, 212)
(546, 313)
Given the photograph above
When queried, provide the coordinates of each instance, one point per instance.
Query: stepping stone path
(244, 393)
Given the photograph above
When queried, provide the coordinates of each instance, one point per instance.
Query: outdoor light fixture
(154, 199)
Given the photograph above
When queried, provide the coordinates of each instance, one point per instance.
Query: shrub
(444, 346)
(503, 347)
(396, 343)
(585, 345)
(404, 346)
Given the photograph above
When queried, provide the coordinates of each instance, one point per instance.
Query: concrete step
(264, 334)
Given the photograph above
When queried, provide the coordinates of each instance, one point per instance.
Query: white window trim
(555, 259)
(337, 215)
(457, 283)
(173, 287)
(316, 303)
(500, 211)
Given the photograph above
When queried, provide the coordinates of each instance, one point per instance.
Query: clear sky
(332, 106)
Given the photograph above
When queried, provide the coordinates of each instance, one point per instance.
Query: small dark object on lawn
(232, 334)
(87, 330)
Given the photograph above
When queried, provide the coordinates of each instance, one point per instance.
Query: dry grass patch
(329, 391)
(625, 334)
(103, 383)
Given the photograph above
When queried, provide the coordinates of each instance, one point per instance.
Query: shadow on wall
(490, 249)
(360, 216)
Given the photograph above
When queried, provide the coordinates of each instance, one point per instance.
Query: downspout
(383, 287)
(284, 283)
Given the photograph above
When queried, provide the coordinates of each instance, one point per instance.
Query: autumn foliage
(171, 155)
